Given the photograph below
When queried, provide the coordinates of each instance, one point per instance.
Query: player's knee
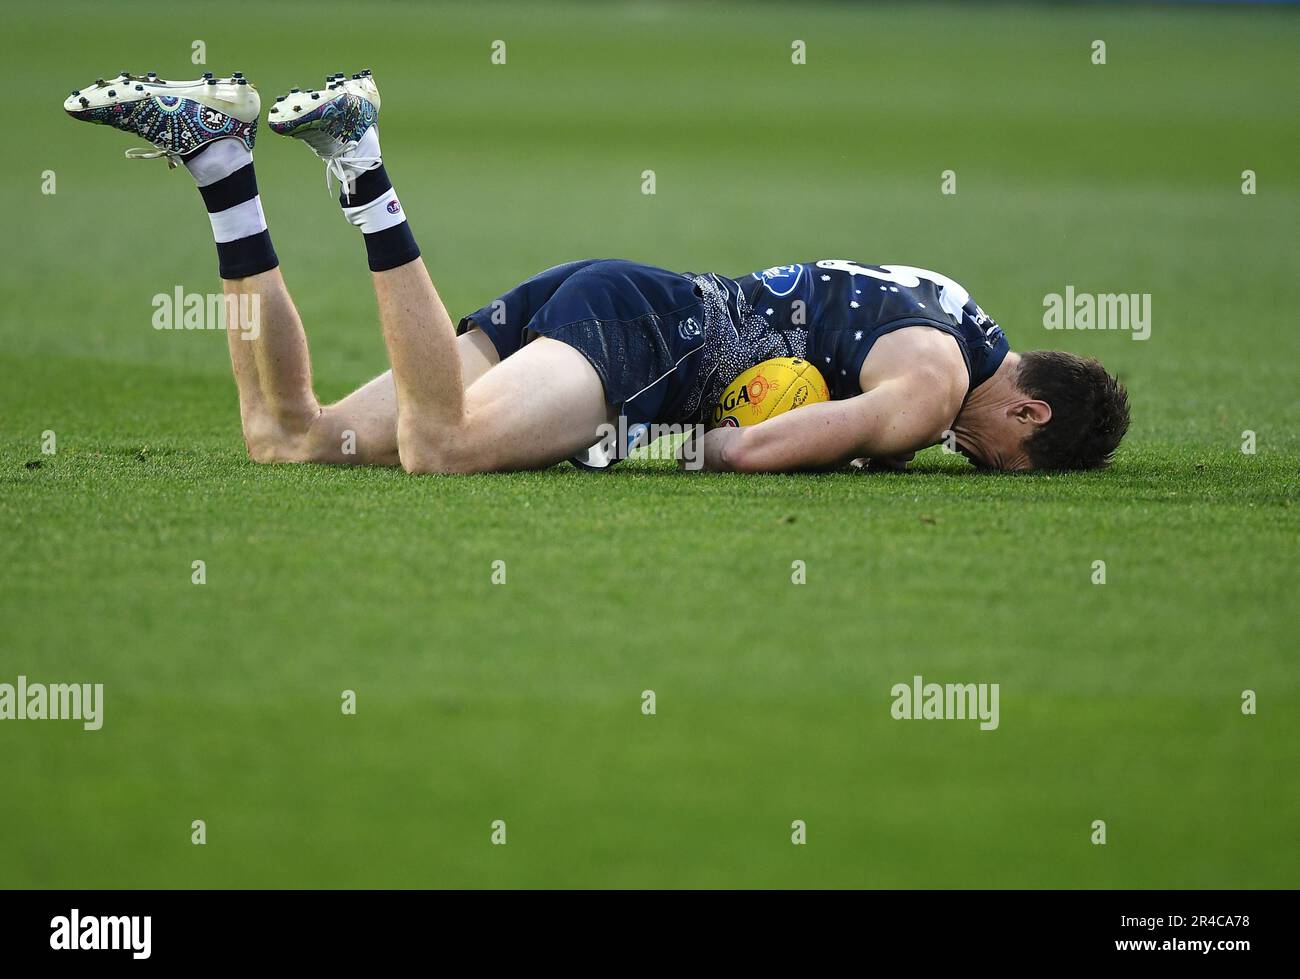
(267, 449)
(261, 451)
(419, 463)
(263, 441)
(284, 438)
(422, 459)
(443, 451)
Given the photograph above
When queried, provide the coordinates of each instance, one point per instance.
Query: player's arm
(898, 416)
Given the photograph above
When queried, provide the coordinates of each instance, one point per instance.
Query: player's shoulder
(918, 354)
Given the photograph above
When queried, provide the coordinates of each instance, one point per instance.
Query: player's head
(1058, 411)
(1089, 410)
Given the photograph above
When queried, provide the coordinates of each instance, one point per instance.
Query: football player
(537, 375)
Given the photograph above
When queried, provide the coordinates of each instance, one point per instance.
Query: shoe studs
(207, 75)
(85, 102)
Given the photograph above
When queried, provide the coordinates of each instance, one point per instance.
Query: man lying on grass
(537, 375)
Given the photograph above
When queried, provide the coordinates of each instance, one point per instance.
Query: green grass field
(522, 702)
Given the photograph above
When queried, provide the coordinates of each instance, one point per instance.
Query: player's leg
(209, 125)
(366, 420)
(272, 367)
(535, 408)
(440, 427)
(282, 420)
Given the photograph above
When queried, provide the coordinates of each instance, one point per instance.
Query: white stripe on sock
(384, 212)
(219, 161)
(239, 221)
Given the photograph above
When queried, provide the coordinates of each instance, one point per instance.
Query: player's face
(993, 438)
(992, 457)
(971, 457)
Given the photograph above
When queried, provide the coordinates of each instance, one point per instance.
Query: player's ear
(1031, 411)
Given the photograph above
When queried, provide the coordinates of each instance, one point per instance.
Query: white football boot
(338, 122)
(178, 118)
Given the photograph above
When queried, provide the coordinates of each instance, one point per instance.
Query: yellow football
(767, 389)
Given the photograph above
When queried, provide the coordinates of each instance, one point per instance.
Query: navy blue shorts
(641, 327)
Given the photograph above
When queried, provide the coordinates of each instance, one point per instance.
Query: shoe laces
(140, 153)
(143, 153)
(345, 169)
(340, 163)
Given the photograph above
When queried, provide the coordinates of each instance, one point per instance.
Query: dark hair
(1089, 410)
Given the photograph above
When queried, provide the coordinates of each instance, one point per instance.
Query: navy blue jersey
(831, 313)
(667, 344)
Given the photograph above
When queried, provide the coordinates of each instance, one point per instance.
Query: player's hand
(705, 452)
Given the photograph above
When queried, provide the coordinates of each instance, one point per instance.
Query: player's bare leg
(268, 352)
(420, 338)
(282, 419)
(537, 408)
(209, 126)
(530, 411)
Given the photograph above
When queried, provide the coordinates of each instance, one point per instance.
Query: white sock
(368, 145)
(218, 161)
(224, 173)
(372, 203)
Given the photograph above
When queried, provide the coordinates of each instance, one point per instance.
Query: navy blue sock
(373, 206)
(229, 188)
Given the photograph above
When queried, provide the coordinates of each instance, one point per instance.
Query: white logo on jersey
(952, 297)
(780, 280)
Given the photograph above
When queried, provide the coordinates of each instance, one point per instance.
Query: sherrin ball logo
(771, 388)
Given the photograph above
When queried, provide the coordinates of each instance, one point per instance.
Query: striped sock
(372, 205)
(224, 172)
